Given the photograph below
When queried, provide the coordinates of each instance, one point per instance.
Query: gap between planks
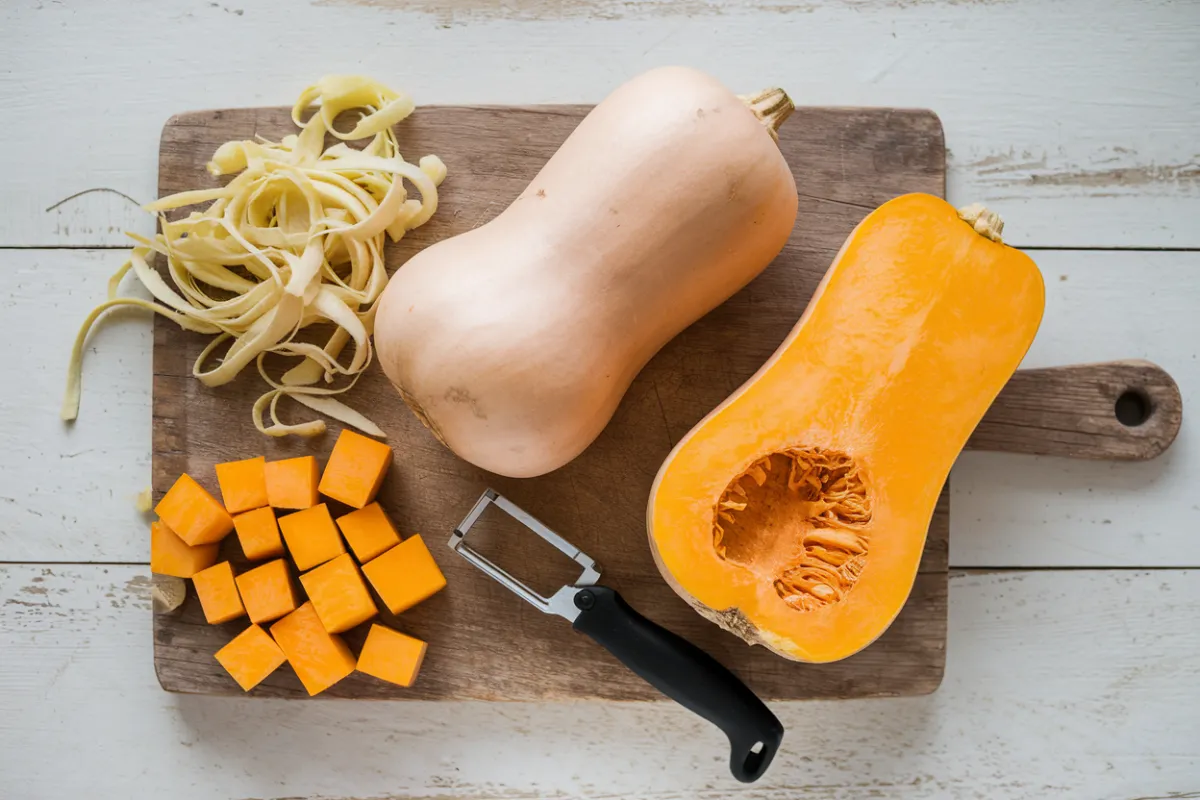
(113, 247)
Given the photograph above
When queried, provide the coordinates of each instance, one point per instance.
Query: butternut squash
(250, 657)
(514, 342)
(405, 575)
(795, 513)
(319, 658)
(338, 594)
(391, 656)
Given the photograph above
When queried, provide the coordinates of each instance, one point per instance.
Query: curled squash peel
(295, 239)
(795, 513)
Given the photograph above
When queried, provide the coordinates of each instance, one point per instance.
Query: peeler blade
(561, 602)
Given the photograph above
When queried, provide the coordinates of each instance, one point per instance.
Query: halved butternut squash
(795, 513)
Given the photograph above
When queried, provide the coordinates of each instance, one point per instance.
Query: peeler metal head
(562, 601)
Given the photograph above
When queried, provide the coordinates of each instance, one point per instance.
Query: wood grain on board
(1119, 410)
(485, 642)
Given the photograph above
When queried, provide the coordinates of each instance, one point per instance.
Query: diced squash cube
(243, 484)
(391, 656)
(170, 555)
(368, 531)
(292, 482)
(319, 657)
(267, 591)
(311, 537)
(405, 575)
(355, 469)
(250, 657)
(193, 513)
(258, 532)
(338, 594)
(218, 593)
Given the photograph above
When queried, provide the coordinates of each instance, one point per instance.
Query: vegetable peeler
(669, 663)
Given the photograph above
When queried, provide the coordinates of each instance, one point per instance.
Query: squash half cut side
(795, 514)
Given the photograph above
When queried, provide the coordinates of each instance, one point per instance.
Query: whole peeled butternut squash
(514, 342)
(795, 513)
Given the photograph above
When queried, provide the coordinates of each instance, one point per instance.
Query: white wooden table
(1074, 654)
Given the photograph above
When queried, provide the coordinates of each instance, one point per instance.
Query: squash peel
(295, 239)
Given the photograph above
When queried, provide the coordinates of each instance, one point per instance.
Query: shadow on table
(350, 748)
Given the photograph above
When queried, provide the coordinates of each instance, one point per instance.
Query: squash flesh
(802, 517)
(915, 328)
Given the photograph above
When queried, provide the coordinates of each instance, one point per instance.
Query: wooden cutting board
(485, 643)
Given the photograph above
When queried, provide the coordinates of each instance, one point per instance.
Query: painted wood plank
(1008, 510)
(1079, 134)
(1059, 684)
(1111, 411)
(68, 490)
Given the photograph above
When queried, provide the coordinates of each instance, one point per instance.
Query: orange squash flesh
(250, 657)
(319, 658)
(311, 537)
(243, 484)
(368, 531)
(258, 532)
(339, 594)
(267, 591)
(170, 555)
(193, 514)
(405, 575)
(355, 470)
(391, 656)
(795, 513)
(218, 593)
(292, 482)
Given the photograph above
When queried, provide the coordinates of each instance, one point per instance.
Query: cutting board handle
(1115, 410)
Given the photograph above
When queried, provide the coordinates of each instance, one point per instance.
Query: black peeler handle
(686, 674)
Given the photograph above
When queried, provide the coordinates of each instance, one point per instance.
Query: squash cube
(250, 657)
(258, 532)
(405, 575)
(170, 555)
(368, 531)
(320, 658)
(338, 594)
(218, 593)
(267, 591)
(243, 484)
(311, 537)
(391, 656)
(193, 513)
(355, 469)
(292, 482)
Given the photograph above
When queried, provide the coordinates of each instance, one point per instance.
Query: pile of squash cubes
(185, 541)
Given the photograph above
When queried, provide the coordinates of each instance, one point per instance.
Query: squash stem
(986, 223)
(771, 106)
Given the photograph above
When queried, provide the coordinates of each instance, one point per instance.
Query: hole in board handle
(1133, 408)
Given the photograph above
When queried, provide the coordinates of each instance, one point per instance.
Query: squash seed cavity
(800, 516)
